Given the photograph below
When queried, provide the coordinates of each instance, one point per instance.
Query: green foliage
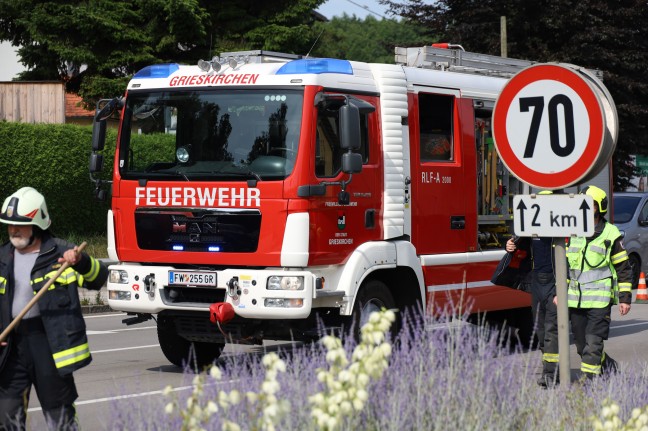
(96, 46)
(54, 160)
(367, 40)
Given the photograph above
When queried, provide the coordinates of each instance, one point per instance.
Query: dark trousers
(545, 313)
(30, 362)
(591, 326)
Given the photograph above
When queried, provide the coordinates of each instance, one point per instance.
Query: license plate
(192, 278)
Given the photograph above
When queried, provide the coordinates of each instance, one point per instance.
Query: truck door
(443, 178)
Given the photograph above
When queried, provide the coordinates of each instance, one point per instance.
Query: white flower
(357, 404)
(332, 423)
(211, 408)
(251, 397)
(605, 412)
(235, 397)
(270, 387)
(215, 372)
(168, 409)
(271, 411)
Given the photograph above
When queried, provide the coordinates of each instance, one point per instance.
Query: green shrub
(53, 158)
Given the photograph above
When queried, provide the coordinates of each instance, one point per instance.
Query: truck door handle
(457, 222)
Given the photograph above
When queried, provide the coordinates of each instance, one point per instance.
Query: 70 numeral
(554, 137)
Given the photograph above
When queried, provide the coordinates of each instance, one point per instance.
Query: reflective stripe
(596, 249)
(619, 257)
(3, 285)
(595, 275)
(592, 369)
(68, 276)
(573, 249)
(574, 273)
(94, 270)
(550, 357)
(71, 356)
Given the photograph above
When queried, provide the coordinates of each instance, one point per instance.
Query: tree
(369, 40)
(97, 45)
(597, 34)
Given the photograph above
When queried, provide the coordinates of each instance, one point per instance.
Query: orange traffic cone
(642, 292)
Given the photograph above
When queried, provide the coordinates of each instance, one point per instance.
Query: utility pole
(503, 46)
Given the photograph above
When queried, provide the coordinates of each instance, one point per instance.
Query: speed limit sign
(554, 125)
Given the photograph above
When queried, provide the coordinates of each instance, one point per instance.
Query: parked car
(630, 215)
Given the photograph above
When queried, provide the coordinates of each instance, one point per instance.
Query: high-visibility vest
(592, 277)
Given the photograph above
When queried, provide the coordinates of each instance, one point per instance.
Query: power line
(365, 7)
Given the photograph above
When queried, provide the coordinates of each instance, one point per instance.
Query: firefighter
(50, 342)
(545, 313)
(599, 277)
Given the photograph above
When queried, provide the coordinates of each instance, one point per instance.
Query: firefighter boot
(549, 380)
(609, 366)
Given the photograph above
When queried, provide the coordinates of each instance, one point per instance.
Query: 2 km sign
(553, 215)
(554, 125)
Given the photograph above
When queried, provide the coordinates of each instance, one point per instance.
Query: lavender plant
(441, 375)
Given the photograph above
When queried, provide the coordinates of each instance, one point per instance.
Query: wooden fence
(32, 102)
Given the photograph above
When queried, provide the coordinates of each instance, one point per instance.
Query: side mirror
(351, 163)
(99, 135)
(349, 127)
(107, 109)
(96, 162)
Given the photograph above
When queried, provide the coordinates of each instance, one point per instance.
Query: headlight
(119, 294)
(277, 282)
(284, 302)
(118, 276)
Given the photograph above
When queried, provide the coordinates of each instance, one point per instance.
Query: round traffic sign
(554, 125)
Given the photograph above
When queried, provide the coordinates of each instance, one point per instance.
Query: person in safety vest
(599, 277)
(50, 341)
(542, 280)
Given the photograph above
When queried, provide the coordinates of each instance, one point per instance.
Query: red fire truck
(261, 195)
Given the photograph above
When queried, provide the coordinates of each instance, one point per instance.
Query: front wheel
(181, 352)
(373, 296)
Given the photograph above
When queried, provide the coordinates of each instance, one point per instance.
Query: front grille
(198, 230)
(192, 295)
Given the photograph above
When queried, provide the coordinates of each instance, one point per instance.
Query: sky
(10, 66)
(359, 8)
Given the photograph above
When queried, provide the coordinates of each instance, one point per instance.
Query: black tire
(181, 352)
(635, 264)
(373, 296)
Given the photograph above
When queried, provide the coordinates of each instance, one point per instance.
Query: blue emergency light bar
(157, 71)
(316, 66)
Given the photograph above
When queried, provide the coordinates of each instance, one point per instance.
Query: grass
(97, 245)
(456, 377)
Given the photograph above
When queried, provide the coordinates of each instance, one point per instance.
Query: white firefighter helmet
(26, 206)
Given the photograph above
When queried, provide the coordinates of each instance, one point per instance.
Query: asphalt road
(130, 369)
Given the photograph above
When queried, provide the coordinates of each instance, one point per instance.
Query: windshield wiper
(244, 171)
(169, 173)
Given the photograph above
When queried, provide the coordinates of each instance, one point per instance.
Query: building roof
(73, 107)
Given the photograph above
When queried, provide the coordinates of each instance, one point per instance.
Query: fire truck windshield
(210, 134)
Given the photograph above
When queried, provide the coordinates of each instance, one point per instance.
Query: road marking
(95, 316)
(120, 397)
(125, 348)
(628, 325)
(113, 331)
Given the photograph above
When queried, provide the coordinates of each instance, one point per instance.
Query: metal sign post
(563, 311)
